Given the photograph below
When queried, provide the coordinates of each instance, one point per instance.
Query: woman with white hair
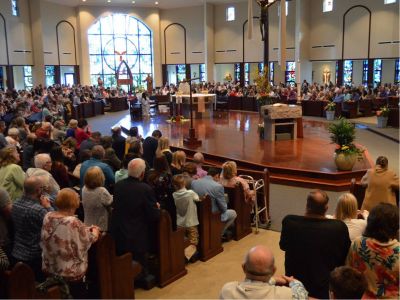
(13, 137)
(42, 168)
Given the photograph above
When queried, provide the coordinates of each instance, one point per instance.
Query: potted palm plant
(330, 111)
(343, 134)
(382, 117)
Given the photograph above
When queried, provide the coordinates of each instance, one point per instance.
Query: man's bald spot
(260, 260)
(317, 202)
(31, 184)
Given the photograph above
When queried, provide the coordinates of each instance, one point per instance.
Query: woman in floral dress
(376, 254)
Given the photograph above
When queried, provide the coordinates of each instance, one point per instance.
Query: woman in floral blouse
(65, 240)
(376, 254)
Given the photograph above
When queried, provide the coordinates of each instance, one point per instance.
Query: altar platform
(306, 162)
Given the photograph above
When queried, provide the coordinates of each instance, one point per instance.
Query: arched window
(115, 38)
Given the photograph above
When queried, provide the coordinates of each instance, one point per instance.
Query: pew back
(243, 211)
(210, 228)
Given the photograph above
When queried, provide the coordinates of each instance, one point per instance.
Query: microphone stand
(191, 140)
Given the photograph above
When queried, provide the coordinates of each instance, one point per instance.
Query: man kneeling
(259, 267)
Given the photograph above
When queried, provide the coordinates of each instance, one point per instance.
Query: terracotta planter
(344, 161)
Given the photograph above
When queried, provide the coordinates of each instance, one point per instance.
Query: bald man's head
(259, 264)
(33, 186)
(317, 202)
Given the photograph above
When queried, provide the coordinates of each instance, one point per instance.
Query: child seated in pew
(186, 214)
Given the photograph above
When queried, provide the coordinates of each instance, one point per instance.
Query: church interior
(299, 97)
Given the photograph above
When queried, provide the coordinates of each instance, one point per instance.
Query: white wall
(192, 18)
(318, 68)
(51, 15)
(221, 70)
(388, 66)
(18, 33)
(327, 29)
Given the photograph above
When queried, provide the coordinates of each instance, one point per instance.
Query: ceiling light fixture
(156, 3)
(133, 2)
(108, 1)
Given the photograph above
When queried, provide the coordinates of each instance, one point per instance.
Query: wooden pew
(170, 251)
(87, 110)
(338, 110)
(210, 229)
(349, 109)
(359, 192)
(365, 107)
(393, 102)
(393, 118)
(19, 283)
(118, 103)
(313, 107)
(249, 104)
(235, 103)
(98, 107)
(236, 201)
(113, 276)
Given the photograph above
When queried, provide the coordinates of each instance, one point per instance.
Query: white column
(37, 42)
(209, 40)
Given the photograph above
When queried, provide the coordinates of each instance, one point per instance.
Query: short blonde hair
(178, 159)
(73, 123)
(94, 178)
(346, 207)
(229, 169)
(67, 199)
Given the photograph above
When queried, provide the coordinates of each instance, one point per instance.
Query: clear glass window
(14, 8)
(230, 13)
(116, 38)
(327, 5)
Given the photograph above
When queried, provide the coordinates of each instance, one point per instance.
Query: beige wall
(192, 18)
(18, 33)
(327, 29)
(51, 15)
(318, 68)
(221, 70)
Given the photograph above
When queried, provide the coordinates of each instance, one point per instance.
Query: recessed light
(156, 3)
(108, 1)
(133, 2)
(83, 0)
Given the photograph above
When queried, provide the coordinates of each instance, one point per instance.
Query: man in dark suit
(150, 146)
(314, 245)
(118, 142)
(135, 210)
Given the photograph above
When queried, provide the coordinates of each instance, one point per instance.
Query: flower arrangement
(383, 112)
(263, 87)
(330, 106)
(343, 134)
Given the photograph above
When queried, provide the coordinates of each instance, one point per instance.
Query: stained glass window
(237, 72)
(260, 67)
(202, 68)
(117, 38)
(397, 71)
(365, 72)
(290, 74)
(348, 72)
(50, 75)
(1, 78)
(327, 5)
(271, 72)
(377, 71)
(28, 80)
(246, 73)
(14, 8)
(336, 71)
(180, 73)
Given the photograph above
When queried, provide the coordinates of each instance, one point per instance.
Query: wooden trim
(165, 41)
(58, 44)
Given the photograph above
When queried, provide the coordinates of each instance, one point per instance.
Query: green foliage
(342, 132)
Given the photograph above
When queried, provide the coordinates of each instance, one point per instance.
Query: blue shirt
(27, 215)
(339, 98)
(108, 172)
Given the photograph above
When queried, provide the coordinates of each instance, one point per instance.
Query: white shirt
(356, 227)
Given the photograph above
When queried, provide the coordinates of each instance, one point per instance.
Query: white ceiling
(163, 4)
